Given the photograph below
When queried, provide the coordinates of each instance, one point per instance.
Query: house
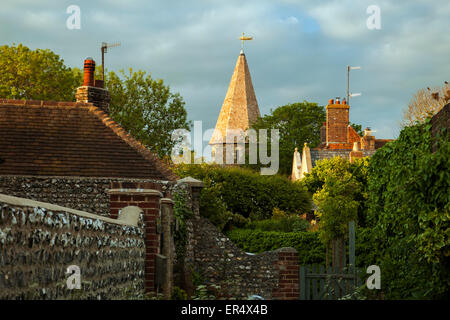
(74, 155)
(337, 139)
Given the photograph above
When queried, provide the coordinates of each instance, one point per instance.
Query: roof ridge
(44, 103)
(132, 142)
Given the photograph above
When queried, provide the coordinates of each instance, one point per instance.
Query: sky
(300, 49)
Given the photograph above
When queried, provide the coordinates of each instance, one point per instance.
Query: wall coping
(166, 200)
(152, 192)
(22, 202)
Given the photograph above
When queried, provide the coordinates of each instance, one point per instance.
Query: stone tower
(239, 110)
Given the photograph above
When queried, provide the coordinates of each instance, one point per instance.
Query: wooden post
(302, 283)
(351, 250)
(351, 237)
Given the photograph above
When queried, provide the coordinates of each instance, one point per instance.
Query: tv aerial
(104, 49)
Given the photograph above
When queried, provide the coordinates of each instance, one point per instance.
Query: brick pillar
(147, 197)
(288, 283)
(167, 222)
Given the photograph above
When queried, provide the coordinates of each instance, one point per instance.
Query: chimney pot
(331, 101)
(89, 70)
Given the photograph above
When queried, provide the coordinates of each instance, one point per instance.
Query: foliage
(358, 128)
(336, 205)
(182, 212)
(409, 214)
(297, 123)
(278, 222)
(147, 109)
(178, 294)
(204, 292)
(244, 192)
(35, 75)
(310, 249)
(422, 105)
(339, 168)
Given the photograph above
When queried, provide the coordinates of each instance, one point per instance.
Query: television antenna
(350, 95)
(104, 49)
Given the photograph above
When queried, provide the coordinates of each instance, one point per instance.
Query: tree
(297, 123)
(35, 75)
(358, 128)
(147, 109)
(425, 103)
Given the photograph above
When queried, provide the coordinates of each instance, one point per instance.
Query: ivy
(408, 213)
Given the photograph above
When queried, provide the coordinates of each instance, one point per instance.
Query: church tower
(239, 111)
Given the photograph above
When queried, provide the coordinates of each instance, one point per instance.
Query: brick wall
(145, 195)
(288, 266)
(439, 121)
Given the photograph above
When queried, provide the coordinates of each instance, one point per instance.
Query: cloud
(300, 48)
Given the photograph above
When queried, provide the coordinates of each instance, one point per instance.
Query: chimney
(368, 141)
(337, 122)
(356, 153)
(93, 90)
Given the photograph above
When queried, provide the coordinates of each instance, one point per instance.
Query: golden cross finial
(244, 38)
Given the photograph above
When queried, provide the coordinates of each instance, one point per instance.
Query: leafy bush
(178, 294)
(309, 247)
(355, 173)
(409, 214)
(292, 223)
(244, 192)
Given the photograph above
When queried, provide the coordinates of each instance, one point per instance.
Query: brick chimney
(368, 140)
(337, 121)
(93, 90)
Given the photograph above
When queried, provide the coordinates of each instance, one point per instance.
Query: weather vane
(244, 38)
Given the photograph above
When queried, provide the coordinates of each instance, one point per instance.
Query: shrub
(309, 247)
(244, 192)
(293, 223)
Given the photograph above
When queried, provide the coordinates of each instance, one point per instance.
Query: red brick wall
(337, 123)
(288, 284)
(147, 197)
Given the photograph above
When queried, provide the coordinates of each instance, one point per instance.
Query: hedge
(248, 193)
(309, 247)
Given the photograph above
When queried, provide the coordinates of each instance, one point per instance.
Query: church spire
(240, 108)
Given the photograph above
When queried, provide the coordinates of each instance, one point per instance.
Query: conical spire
(240, 108)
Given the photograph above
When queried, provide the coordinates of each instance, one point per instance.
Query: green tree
(339, 167)
(297, 123)
(146, 108)
(35, 75)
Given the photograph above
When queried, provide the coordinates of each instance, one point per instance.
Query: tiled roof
(381, 142)
(47, 138)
